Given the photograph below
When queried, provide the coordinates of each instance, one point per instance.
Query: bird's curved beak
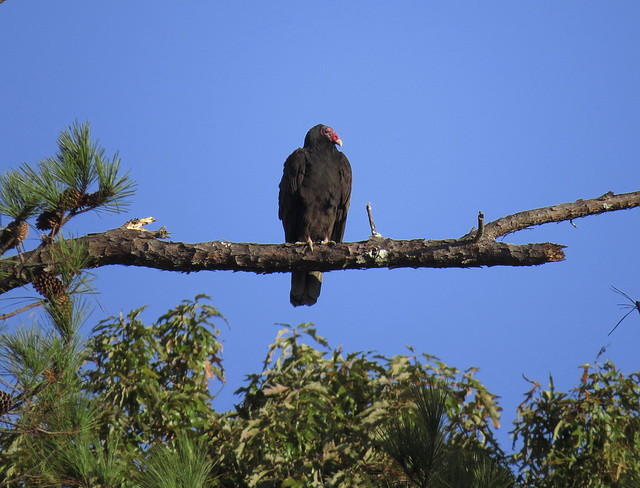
(338, 142)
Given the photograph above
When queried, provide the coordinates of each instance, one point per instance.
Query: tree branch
(558, 213)
(133, 247)
(5, 316)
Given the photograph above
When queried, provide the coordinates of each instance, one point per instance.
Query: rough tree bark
(130, 247)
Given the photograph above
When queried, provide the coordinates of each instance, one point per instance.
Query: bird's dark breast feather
(314, 195)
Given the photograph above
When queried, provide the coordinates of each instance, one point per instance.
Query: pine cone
(49, 219)
(13, 234)
(97, 198)
(71, 199)
(49, 286)
(23, 230)
(63, 306)
(5, 402)
(85, 200)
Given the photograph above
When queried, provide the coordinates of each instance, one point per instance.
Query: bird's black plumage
(315, 191)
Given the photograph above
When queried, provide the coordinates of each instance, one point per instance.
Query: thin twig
(20, 310)
(37, 429)
(480, 231)
(371, 224)
(635, 305)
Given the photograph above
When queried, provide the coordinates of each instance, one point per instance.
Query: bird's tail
(305, 287)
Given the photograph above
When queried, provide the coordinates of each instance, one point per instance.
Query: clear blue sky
(444, 108)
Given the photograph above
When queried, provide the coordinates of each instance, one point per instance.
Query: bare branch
(138, 248)
(5, 316)
(558, 213)
(132, 247)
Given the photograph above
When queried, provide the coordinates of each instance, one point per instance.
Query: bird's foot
(308, 242)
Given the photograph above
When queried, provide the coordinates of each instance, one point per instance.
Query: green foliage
(308, 419)
(17, 200)
(71, 426)
(75, 456)
(588, 438)
(153, 381)
(429, 455)
(132, 407)
(416, 439)
(182, 463)
(41, 365)
(77, 179)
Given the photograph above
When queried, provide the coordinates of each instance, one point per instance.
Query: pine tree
(42, 401)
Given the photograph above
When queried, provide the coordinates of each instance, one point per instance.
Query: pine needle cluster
(79, 178)
(426, 453)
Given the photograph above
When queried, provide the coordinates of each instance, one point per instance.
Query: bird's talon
(308, 243)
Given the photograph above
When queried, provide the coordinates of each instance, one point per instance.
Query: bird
(313, 201)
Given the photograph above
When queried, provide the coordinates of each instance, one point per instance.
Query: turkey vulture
(314, 200)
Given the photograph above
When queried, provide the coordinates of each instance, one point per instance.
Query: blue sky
(444, 108)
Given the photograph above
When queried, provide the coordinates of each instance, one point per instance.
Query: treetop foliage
(588, 436)
(133, 405)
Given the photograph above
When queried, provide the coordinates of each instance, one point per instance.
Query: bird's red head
(331, 134)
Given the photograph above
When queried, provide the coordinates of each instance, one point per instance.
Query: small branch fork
(134, 247)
